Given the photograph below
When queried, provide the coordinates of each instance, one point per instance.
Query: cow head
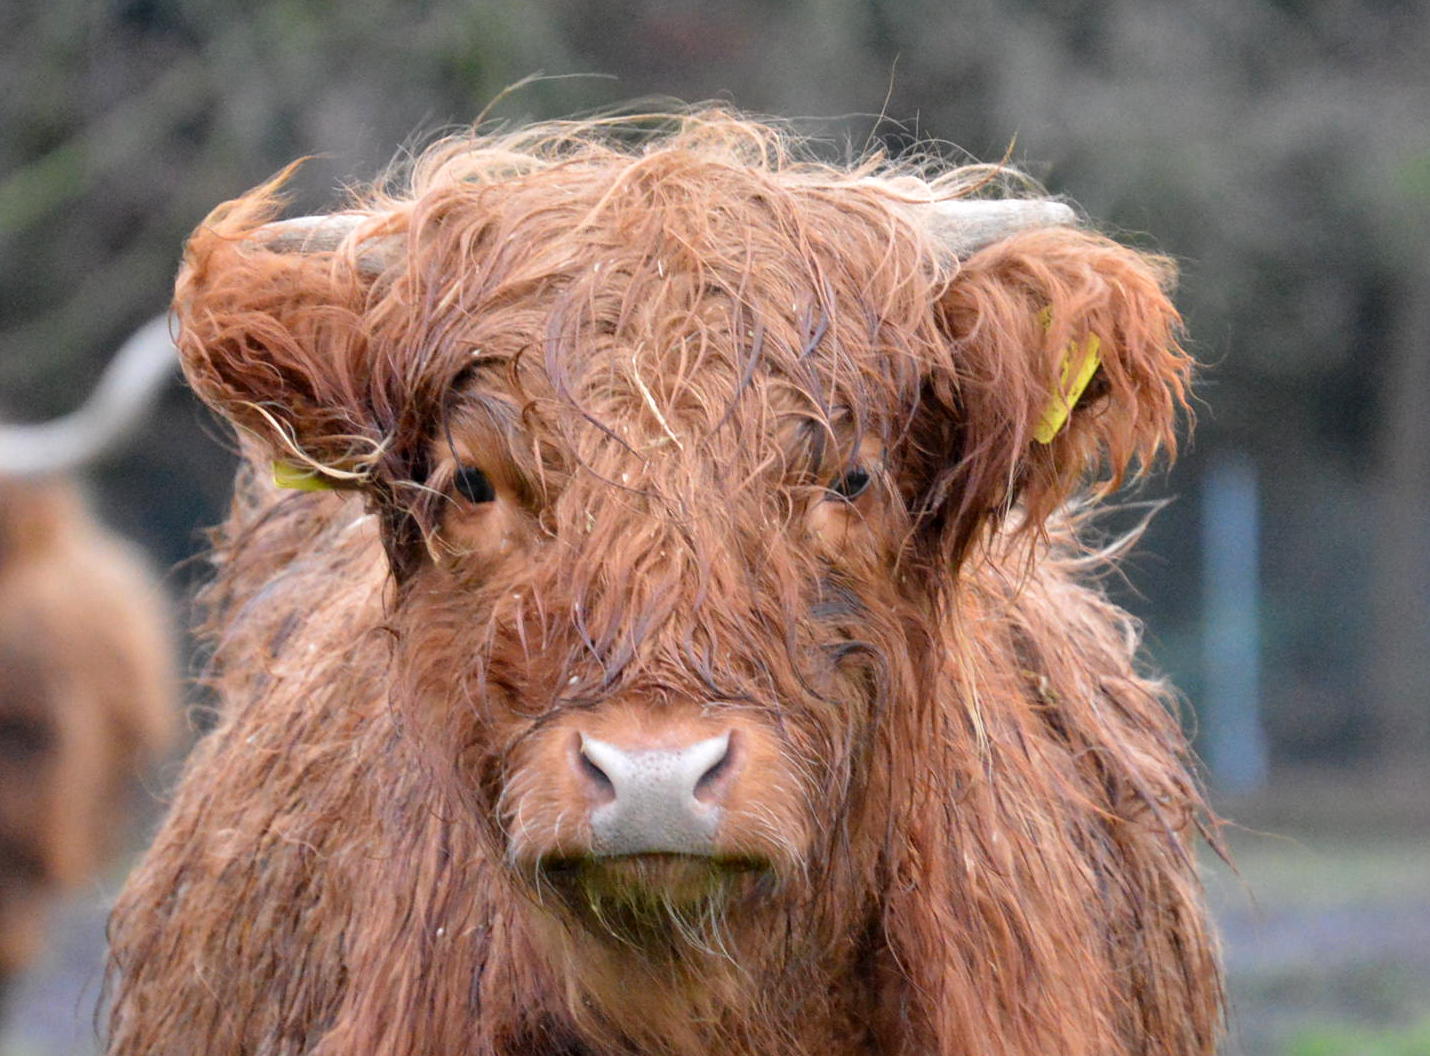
(680, 454)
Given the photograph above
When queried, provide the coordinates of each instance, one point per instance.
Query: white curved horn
(125, 391)
(323, 234)
(964, 226)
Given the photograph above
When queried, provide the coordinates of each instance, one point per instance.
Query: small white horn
(125, 391)
(323, 234)
(964, 226)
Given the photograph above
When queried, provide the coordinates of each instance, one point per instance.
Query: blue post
(1233, 739)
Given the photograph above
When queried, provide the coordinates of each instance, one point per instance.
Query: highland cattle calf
(668, 635)
(87, 667)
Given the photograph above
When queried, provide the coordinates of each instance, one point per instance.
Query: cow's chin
(653, 900)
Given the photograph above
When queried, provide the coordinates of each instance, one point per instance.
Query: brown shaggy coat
(87, 696)
(760, 456)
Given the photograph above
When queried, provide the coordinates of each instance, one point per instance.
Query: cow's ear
(1064, 369)
(272, 336)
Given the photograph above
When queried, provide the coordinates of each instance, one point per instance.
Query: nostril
(713, 784)
(597, 782)
(597, 777)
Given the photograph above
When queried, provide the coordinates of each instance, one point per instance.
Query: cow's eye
(851, 483)
(473, 485)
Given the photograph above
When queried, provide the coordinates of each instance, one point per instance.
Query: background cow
(87, 665)
(692, 654)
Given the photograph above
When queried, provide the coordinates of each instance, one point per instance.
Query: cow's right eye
(850, 484)
(473, 485)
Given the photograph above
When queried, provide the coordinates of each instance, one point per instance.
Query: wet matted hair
(655, 433)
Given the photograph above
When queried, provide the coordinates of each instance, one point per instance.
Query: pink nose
(656, 800)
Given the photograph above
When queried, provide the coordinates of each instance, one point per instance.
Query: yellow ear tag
(299, 478)
(1072, 382)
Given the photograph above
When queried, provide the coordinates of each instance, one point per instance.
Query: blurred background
(1279, 149)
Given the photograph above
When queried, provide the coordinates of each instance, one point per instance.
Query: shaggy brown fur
(964, 825)
(86, 698)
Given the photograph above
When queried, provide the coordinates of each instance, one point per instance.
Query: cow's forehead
(681, 330)
(643, 232)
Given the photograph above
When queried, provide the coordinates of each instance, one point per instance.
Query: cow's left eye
(474, 485)
(851, 483)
